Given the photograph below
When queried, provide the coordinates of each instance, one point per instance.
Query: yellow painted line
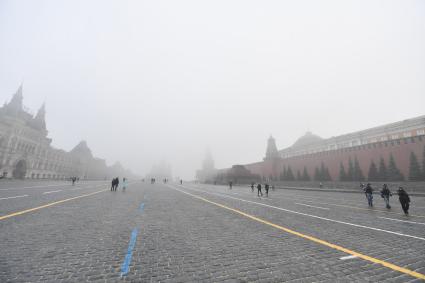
(313, 239)
(47, 205)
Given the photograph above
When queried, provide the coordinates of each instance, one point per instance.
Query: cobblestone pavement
(182, 238)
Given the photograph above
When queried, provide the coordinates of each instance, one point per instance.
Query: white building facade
(26, 151)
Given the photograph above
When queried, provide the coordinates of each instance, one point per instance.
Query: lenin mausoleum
(390, 153)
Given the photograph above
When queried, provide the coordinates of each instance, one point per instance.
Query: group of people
(115, 183)
(259, 189)
(385, 192)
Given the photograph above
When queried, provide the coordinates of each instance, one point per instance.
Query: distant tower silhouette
(208, 163)
(40, 118)
(15, 105)
(271, 152)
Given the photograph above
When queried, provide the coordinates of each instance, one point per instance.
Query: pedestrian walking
(112, 184)
(386, 194)
(124, 184)
(369, 194)
(230, 185)
(252, 187)
(117, 182)
(266, 187)
(404, 198)
(259, 192)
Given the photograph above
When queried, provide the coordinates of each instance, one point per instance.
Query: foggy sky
(145, 81)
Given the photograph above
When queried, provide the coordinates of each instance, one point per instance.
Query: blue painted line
(142, 207)
(125, 267)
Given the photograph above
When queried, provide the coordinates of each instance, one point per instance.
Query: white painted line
(45, 186)
(315, 216)
(325, 208)
(76, 189)
(14, 197)
(413, 222)
(52, 192)
(360, 208)
(348, 257)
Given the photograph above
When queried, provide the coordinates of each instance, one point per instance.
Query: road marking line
(14, 197)
(125, 267)
(348, 257)
(325, 208)
(76, 189)
(8, 189)
(361, 208)
(47, 205)
(310, 198)
(314, 216)
(44, 186)
(50, 192)
(313, 239)
(413, 222)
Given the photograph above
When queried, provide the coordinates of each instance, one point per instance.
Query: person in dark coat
(369, 194)
(112, 184)
(386, 194)
(404, 198)
(252, 187)
(259, 192)
(116, 181)
(230, 184)
(266, 187)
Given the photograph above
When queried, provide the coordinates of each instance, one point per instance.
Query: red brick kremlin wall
(400, 149)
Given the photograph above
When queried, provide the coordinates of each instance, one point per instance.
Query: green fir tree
(423, 165)
(342, 174)
(284, 177)
(305, 176)
(415, 173)
(327, 177)
(358, 174)
(394, 173)
(322, 172)
(317, 176)
(382, 172)
(289, 174)
(373, 174)
(350, 174)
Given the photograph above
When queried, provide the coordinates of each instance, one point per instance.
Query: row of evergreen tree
(385, 173)
(354, 172)
(381, 173)
(320, 174)
(416, 173)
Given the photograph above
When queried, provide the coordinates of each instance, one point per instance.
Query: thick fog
(146, 81)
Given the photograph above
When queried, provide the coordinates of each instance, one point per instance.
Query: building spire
(16, 101)
(42, 111)
(40, 118)
(271, 151)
